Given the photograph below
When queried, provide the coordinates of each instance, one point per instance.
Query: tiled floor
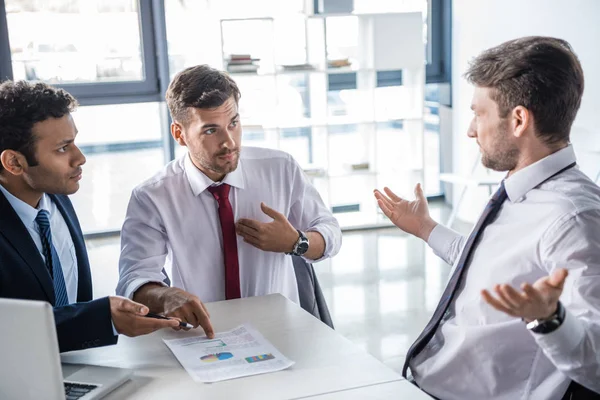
(381, 288)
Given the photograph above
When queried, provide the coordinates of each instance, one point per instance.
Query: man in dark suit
(42, 251)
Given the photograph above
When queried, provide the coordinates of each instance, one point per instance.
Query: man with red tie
(223, 219)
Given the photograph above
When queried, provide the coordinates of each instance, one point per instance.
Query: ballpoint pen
(157, 316)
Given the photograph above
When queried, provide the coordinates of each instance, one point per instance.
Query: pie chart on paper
(216, 357)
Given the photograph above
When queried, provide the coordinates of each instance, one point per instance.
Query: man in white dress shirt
(520, 318)
(222, 218)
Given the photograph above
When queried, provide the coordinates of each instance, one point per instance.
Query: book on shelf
(241, 63)
(242, 67)
(339, 63)
(240, 56)
(362, 166)
(314, 171)
(298, 67)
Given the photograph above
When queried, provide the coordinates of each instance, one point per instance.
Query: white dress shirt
(481, 353)
(172, 221)
(61, 237)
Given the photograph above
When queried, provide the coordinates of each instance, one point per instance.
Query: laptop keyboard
(75, 391)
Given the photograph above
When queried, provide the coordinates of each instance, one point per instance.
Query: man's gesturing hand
(278, 235)
(537, 301)
(410, 216)
(129, 320)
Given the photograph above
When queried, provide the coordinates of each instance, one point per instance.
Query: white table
(398, 390)
(325, 361)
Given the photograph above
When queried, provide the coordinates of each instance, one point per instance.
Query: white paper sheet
(242, 351)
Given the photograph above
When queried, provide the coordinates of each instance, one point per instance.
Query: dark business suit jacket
(23, 275)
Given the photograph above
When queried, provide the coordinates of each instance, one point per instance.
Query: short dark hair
(199, 87)
(542, 74)
(22, 104)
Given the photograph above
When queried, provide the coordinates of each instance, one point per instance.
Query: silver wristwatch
(549, 324)
(301, 245)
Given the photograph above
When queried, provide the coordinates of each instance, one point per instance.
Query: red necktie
(230, 253)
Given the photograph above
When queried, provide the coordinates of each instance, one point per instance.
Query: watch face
(302, 247)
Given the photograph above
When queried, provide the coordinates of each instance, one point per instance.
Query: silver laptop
(30, 365)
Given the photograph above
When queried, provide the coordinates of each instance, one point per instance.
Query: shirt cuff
(440, 238)
(114, 329)
(135, 284)
(564, 339)
(331, 247)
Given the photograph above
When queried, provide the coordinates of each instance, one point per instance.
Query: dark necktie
(52, 260)
(487, 217)
(230, 253)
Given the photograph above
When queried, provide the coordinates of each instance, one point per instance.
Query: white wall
(480, 24)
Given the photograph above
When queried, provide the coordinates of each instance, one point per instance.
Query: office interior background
(362, 93)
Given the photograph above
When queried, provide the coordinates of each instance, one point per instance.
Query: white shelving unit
(349, 141)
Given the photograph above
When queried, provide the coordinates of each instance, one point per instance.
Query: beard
(504, 154)
(218, 167)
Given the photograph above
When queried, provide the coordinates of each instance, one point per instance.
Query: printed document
(242, 351)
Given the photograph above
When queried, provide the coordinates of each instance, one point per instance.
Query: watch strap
(301, 239)
(545, 326)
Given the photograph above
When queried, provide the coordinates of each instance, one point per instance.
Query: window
(65, 47)
(122, 145)
(104, 53)
(118, 56)
(92, 48)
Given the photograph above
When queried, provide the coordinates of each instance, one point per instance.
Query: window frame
(101, 93)
(5, 56)
(439, 68)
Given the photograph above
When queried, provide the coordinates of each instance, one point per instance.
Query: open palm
(537, 301)
(410, 216)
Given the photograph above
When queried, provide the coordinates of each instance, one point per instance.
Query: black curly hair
(22, 104)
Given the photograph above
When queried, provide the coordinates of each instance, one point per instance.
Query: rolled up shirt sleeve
(574, 348)
(143, 246)
(309, 213)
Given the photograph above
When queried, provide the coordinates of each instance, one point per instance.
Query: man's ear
(521, 121)
(13, 161)
(177, 133)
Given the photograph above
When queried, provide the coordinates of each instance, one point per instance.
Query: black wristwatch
(301, 245)
(549, 324)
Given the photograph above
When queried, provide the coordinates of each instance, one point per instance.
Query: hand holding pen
(158, 316)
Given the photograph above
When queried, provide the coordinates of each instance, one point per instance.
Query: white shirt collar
(522, 181)
(199, 182)
(24, 210)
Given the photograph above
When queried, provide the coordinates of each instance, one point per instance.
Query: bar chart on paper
(242, 351)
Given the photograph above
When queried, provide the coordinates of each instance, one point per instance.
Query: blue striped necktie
(52, 260)
(487, 217)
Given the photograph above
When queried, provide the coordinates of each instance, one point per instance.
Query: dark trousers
(578, 392)
(574, 392)
(411, 380)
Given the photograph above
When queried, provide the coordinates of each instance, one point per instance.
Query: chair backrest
(309, 291)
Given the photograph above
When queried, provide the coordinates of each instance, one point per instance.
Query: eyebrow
(65, 142)
(216, 125)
